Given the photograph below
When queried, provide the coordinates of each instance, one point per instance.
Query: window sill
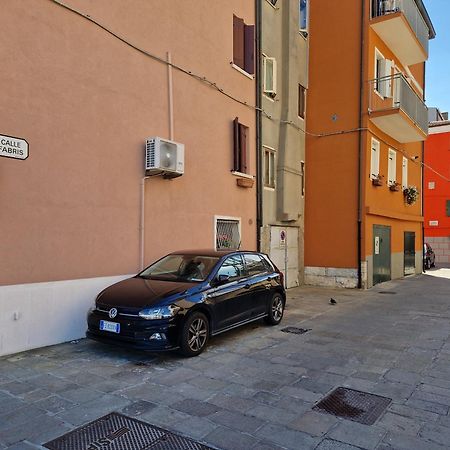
(269, 97)
(234, 66)
(242, 175)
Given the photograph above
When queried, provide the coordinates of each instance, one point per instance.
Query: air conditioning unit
(164, 157)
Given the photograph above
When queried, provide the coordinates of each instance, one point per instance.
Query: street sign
(13, 147)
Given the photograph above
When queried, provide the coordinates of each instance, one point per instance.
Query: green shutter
(448, 208)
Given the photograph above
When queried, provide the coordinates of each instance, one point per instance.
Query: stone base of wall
(441, 247)
(332, 277)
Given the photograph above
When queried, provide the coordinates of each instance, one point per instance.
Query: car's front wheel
(194, 335)
(276, 310)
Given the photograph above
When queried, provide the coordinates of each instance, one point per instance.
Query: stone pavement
(254, 388)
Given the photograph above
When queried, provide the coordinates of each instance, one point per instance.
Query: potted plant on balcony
(411, 194)
(394, 186)
(377, 179)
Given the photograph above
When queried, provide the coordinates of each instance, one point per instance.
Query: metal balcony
(401, 26)
(396, 109)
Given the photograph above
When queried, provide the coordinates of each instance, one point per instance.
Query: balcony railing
(395, 93)
(410, 10)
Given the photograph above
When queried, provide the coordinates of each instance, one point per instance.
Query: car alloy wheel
(276, 310)
(194, 335)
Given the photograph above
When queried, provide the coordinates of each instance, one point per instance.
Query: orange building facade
(437, 190)
(366, 125)
(78, 212)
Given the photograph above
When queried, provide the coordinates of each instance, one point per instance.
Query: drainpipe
(361, 141)
(422, 168)
(259, 175)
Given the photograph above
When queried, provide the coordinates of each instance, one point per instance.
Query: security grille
(227, 234)
(150, 154)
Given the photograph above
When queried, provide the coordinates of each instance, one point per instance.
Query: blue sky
(438, 65)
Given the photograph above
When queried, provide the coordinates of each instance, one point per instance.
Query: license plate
(113, 327)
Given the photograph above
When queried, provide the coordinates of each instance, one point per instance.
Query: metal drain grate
(354, 405)
(116, 431)
(387, 292)
(295, 330)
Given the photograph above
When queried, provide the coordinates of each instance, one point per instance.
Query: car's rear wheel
(427, 264)
(276, 310)
(194, 335)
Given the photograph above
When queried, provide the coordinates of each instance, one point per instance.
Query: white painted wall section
(40, 314)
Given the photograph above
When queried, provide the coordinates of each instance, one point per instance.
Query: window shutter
(238, 41)
(392, 166)
(249, 49)
(236, 150)
(448, 208)
(404, 173)
(375, 159)
(243, 148)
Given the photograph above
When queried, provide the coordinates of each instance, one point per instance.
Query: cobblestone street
(255, 387)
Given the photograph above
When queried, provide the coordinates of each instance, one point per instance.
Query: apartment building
(436, 188)
(283, 83)
(127, 132)
(367, 122)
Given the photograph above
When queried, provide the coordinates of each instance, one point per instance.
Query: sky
(437, 91)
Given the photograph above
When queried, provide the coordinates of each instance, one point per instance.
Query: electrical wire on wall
(222, 91)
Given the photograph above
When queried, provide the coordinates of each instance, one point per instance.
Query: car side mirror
(222, 279)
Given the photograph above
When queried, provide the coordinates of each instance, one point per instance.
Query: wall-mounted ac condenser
(164, 157)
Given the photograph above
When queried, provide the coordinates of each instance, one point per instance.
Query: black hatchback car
(185, 297)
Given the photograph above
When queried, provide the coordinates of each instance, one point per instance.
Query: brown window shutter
(249, 49)
(236, 140)
(243, 148)
(238, 41)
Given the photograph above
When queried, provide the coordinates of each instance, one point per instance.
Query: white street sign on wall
(12, 147)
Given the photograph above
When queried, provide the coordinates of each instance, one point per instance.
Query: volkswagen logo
(112, 313)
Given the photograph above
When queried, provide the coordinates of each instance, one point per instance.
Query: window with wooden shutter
(301, 101)
(404, 173)
(238, 41)
(374, 159)
(269, 76)
(392, 169)
(240, 147)
(243, 45)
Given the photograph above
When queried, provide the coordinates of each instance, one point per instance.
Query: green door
(381, 254)
(409, 253)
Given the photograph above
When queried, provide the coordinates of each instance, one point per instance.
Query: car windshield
(181, 268)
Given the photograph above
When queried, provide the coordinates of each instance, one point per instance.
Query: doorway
(381, 253)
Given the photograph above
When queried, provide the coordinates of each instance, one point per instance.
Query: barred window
(228, 234)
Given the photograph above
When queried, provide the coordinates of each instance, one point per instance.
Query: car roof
(210, 252)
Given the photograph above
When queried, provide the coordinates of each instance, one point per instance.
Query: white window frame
(374, 159)
(383, 88)
(270, 151)
(216, 218)
(404, 172)
(270, 92)
(392, 166)
(303, 30)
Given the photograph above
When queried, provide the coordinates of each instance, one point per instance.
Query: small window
(301, 101)
(233, 267)
(254, 265)
(270, 76)
(375, 159)
(228, 236)
(302, 174)
(269, 167)
(243, 45)
(447, 208)
(392, 169)
(240, 147)
(383, 75)
(303, 16)
(405, 173)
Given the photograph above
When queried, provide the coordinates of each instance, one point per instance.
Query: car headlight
(160, 312)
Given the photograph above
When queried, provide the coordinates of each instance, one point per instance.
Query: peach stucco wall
(86, 102)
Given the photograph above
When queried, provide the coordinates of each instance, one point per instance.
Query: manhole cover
(116, 431)
(295, 330)
(354, 405)
(387, 292)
